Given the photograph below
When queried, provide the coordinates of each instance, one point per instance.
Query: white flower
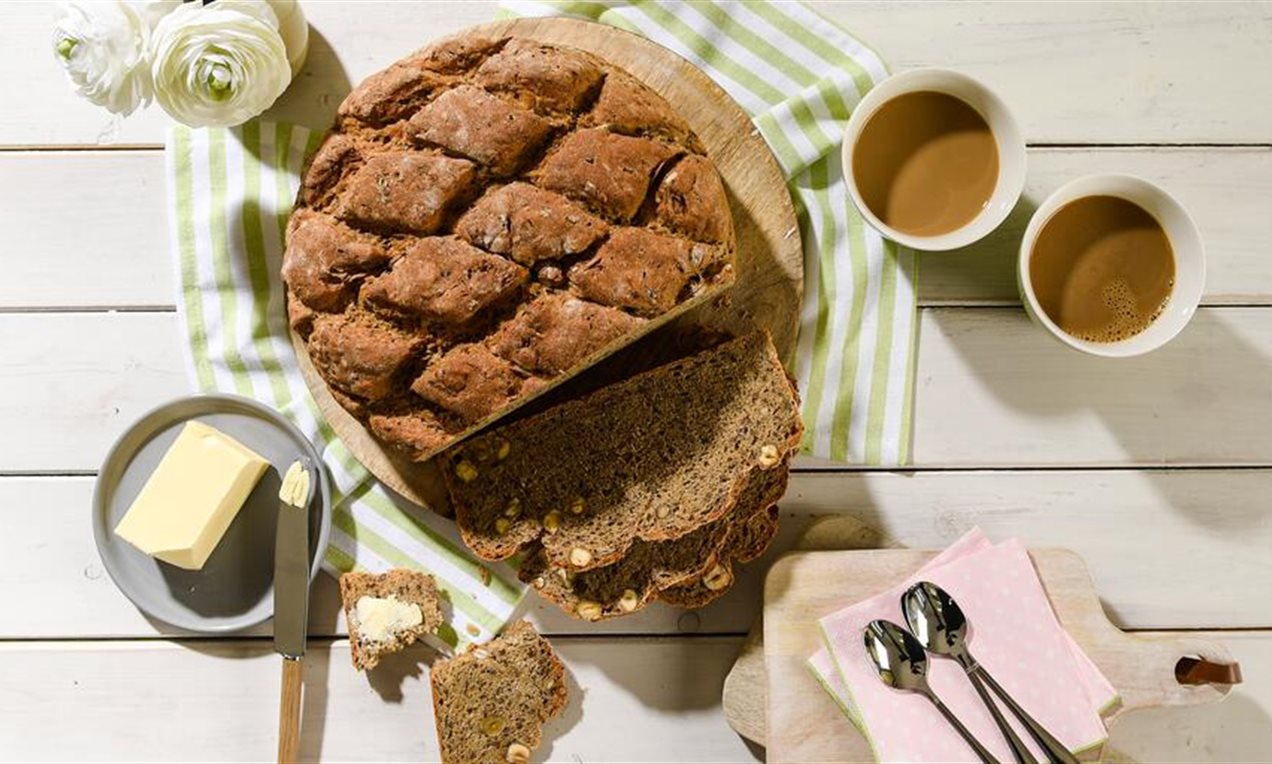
(153, 10)
(221, 64)
(102, 45)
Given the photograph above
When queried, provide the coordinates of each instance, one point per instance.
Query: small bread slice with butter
(386, 612)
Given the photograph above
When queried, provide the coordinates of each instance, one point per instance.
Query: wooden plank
(84, 229)
(1072, 72)
(1108, 72)
(1215, 520)
(75, 381)
(992, 391)
(119, 196)
(633, 700)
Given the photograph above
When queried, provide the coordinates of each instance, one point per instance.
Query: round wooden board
(770, 256)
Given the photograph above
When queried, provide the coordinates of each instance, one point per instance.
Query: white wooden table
(1158, 470)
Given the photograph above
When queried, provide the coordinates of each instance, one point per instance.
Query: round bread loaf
(486, 218)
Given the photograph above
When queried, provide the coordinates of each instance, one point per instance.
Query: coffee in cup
(1111, 265)
(933, 159)
(926, 163)
(1102, 268)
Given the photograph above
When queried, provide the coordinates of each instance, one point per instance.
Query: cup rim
(1102, 185)
(1004, 128)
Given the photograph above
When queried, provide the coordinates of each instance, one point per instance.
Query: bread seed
(465, 471)
(768, 456)
(663, 512)
(588, 610)
(628, 601)
(513, 510)
(473, 630)
(552, 521)
(717, 578)
(503, 449)
(480, 654)
(518, 754)
(502, 525)
(580, 557)
(576, 505)
(492, 725)
(539, 583)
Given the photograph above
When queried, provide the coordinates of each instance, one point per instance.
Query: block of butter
(192, 497)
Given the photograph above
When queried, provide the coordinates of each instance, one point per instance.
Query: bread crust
(411, 586)
(518, 642)
(530, 199)
(710, 405)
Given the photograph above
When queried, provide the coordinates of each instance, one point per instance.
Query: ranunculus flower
(220, 64)
(102, 45)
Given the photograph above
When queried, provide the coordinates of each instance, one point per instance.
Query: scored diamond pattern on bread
(494, 212)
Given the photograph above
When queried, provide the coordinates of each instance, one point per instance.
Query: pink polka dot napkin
(1015, 635)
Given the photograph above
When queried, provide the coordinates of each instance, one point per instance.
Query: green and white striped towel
(799, 76)
(230, 192)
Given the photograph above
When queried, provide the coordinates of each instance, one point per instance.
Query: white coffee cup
(1010, 144)
(1185, 242)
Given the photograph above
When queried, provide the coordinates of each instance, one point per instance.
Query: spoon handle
(980, 750)
(1056, 750)
(1018, 748)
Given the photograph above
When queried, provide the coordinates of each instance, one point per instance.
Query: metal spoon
(942, 632)
(902, 665)
(939, 623)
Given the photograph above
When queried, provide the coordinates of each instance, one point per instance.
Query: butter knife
(291, 599)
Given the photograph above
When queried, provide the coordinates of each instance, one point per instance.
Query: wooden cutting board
(804, 724)
(770, 257)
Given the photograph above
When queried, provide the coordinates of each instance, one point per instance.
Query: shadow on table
(394, 669)
(1169, 406)
(313, 711)
(984, 267)
(317, 89)
(1237, 729)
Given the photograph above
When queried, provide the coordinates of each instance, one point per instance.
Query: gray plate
(234, 590)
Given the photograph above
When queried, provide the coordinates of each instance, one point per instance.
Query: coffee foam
(1128, 319)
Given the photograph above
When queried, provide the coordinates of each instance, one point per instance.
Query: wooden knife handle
(289, 710)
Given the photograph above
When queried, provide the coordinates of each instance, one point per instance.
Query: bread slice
(651, 458)
(491, 702)
(654, 566)
(406, 586)
(748, 541)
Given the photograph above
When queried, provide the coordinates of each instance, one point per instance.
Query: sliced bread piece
(747, 541)
(491, 702)
(652, 566)
(652, 458)
(388, 611)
